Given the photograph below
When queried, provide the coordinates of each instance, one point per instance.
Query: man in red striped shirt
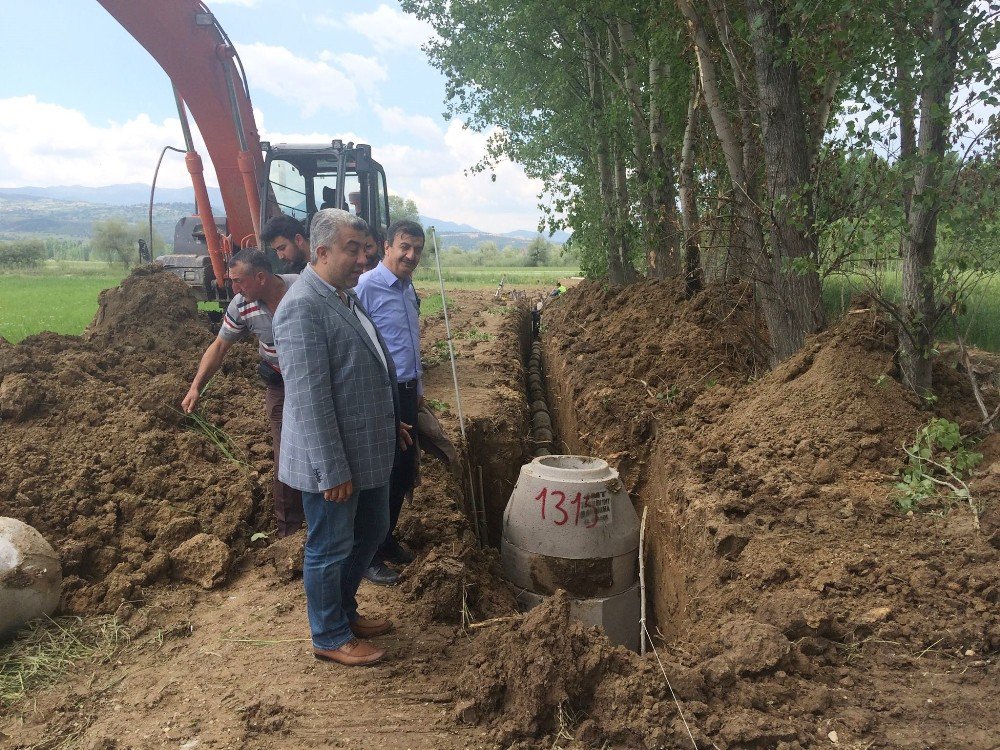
(258, 292)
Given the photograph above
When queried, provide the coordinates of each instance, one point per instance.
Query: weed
(474, 335)
(257, 536)
(437, 405)
(221, 439)
(939, 460)
(438, 353)
(668, 395)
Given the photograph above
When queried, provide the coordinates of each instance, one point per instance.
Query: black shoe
(381, 575)
(397, 554)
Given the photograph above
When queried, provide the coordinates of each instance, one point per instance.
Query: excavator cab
(302, 179)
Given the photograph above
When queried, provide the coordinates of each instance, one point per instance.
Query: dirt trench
(793, 603)
(796, 608)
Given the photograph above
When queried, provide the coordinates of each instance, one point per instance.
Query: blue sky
(82, 103)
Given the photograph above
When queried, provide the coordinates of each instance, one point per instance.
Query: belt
(409, 385)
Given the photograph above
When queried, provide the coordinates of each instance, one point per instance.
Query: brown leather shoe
(365, 628)
(354, 653)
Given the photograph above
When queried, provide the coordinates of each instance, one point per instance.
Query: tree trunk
(602, 150)
(689, 204)
(622, 239)
(918, 324)
(748, 241)
(907, 129)
(654, 238)
(790, 296)
(665, 250)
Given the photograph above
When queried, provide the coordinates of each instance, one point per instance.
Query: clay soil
(792, 605)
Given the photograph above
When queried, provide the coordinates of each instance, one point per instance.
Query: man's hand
(405, 441)
(190, 400)
(340, 493)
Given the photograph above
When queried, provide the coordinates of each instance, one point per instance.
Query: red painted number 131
(579, 502)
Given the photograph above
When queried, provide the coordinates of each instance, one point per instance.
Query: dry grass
(48, 648)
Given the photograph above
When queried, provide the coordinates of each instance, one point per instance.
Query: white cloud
(389, 29)
(395, 120)
(309, 85)
(366, 72)
(44, 144)
(436, 179)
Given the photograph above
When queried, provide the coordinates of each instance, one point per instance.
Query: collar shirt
(392, 304)
(359, 314)
(244, 319)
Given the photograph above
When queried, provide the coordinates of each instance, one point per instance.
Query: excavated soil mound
(631, 359)
(455, 582)
(96, 455)
(781, 570)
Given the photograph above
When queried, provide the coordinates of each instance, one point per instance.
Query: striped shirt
(244, 319)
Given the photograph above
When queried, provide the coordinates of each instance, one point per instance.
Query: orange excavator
(257, 179)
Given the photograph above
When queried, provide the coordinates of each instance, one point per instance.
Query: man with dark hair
(373, 242)
(287, 237)
(388, 295)
(341, 430)
(258, 291)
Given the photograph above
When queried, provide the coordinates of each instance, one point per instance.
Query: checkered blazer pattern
(339, 421)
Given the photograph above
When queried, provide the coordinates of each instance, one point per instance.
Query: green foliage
(218, 437)
(403, 208)
(938, 462)
(118, 242)
(27, 253)
(473, 334)
(437, 405)
(539, 252)
(47, 648)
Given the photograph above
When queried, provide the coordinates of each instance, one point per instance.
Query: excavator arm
(194, 51)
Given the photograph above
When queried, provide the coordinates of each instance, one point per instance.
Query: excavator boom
(183, 37)
(257, 180)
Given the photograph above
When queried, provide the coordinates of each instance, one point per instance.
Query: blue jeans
(341, 540)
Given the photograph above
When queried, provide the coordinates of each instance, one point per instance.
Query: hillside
(22, 215)
(71, 210)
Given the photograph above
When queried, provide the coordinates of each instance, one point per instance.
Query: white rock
(30, 575)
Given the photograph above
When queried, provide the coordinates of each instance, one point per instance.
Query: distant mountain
(114, 195)
(467, 237)
(559, 237)
(23, 215)
(71, 210)
(443, 226)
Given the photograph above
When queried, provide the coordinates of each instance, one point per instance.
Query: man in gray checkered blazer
(340, 433)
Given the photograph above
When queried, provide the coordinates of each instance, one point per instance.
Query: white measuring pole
(447, 329)
(642, 583)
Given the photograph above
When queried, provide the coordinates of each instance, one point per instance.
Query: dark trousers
(287, 500)
(404, 465)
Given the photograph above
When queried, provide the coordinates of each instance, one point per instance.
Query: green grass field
(487, 277)
(980, 325)
(62, 296)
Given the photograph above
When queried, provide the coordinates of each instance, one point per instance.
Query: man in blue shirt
(387, 294)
